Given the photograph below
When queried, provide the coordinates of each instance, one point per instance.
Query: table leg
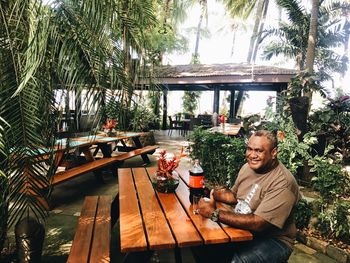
(90, 158)
(106, 149)
(138, 145)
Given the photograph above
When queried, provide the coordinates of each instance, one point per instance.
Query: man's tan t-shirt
(271, 196)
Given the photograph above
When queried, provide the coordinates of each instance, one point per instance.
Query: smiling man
(263, 197)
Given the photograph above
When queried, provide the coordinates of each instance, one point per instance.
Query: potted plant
(302, 84)
(109, 127)
(166, 179)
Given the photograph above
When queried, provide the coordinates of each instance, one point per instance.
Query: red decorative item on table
(166, 178)
(109, 126)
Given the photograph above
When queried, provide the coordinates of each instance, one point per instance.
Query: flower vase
(165, 182)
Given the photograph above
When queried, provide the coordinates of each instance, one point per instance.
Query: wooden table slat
(210, 231)
(235, 234)
(102, 230)
(180, 223)
(84, 231)
(158, 231)
(132, 237)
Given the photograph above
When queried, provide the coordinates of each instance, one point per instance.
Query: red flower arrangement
(166, 179)
(110, 125)
(167, 166)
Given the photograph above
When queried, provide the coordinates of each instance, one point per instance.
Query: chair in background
(176, 124)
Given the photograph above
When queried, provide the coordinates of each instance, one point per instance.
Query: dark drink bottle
(196, 182)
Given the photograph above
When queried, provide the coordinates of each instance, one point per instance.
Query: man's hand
(224, 195)
(206, 207)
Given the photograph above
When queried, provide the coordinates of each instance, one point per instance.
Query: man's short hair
(271, 136)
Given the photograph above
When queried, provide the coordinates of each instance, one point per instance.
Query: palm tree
(74, 46)
(244, 8)
(291, 39)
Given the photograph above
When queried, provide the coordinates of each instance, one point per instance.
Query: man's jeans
(261, 250)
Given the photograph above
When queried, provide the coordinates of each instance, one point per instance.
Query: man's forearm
(225, 196)
(248, 222)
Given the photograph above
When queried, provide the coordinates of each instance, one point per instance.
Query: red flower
(281, 135)
(110, 124)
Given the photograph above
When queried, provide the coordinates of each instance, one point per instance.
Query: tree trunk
(311, 43)
(253, 45)
(195, 58)
(300, 107)
(261, 28)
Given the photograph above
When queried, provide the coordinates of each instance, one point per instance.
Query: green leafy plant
(333, 122)
(323, 223)
(302, 213)
(332, 219)
(143, 119)
(291, 152)
(340, 225)
(329, 179)
(220, 156)
(303, 82)
(190, 101)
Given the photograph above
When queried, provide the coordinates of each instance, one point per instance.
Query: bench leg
(115, 210)
(145, 159)
(178, 257)
(138, 144)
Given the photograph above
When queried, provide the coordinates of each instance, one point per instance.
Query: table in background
(227, 129)
(150, 220)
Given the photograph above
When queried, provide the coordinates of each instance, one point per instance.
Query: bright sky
(217, 49)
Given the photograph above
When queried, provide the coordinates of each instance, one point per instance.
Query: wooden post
(165, 106)
(216, 99)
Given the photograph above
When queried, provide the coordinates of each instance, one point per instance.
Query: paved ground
(68, 199)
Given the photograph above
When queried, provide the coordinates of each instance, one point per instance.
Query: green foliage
(76, 47)
(3, 208)
(142, 119)
(154, 104)
(303, 82)
(291, 152)
(290, 38)
(302, 213)
(323, 223)
(339, 220)
(333, 122)
(220, 156)
(136, 118)
(190, 101)
(332, 220)
(329, 179)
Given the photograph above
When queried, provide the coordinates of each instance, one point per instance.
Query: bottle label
(196, 181)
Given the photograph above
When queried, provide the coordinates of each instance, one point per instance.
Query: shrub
(330, 180)
(302, 213)
(339, 221)
(332, 220)
(220, 156)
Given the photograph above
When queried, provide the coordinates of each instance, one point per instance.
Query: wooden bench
(93, 166)
(63, 176)
(92, 237)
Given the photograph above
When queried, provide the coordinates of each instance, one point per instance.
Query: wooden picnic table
(150, 220)
(64, 147)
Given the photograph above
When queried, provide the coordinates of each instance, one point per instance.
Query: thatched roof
(223, 73)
